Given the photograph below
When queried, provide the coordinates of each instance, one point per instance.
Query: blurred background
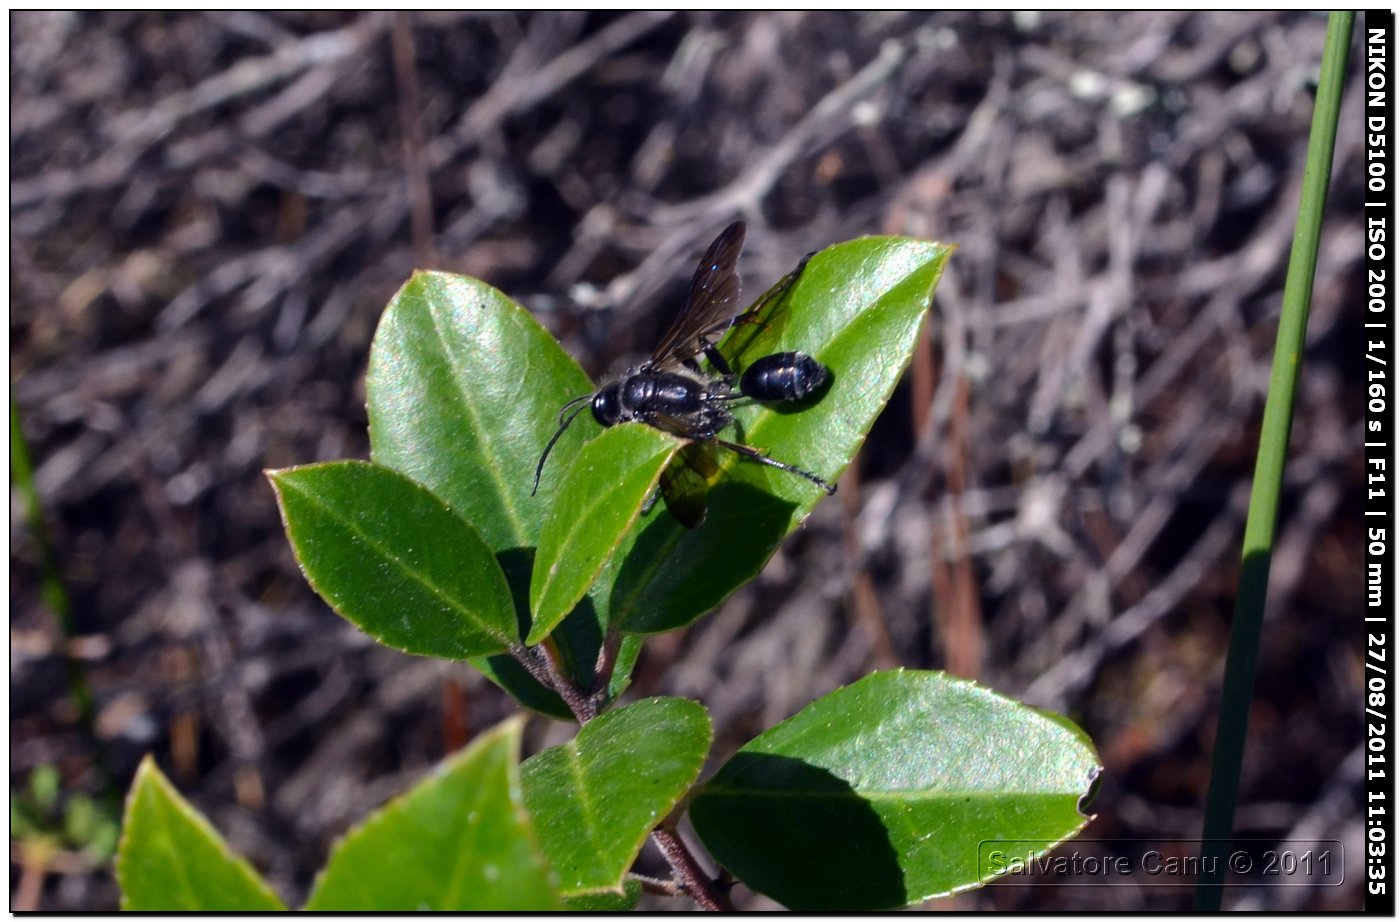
(209, 212)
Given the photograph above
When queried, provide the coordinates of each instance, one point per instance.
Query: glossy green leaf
(464, 391)
(607, 901)
(858, 308)
(895, 789)
(597, 798)
(459, 841)
(395, 560)
(628, 652)
(598, 501)
(171, 860)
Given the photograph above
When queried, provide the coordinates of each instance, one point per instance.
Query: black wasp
(670, 391)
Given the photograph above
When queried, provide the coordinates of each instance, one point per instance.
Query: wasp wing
(710, 301)
(686, 482)
(765, 315)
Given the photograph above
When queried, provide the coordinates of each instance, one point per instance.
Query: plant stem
(543, 664)
(546, 670)
(691, 876)
(1243, 653)
(34, 865)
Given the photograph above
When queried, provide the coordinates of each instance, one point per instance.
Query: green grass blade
(1259, 530)
(54, 593)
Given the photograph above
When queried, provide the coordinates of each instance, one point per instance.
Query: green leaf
(171, 859)
(44, 787)
(393, 559)
(599, 500)
(607, 901)
(464, 391)
(458, 841)
(597, 798)
(507, 673)
(22, 824)
(91, 826)
(857, 307)
(628, 652)
(922, 775)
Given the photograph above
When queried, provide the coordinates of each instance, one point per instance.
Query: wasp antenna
(565, 408)
(564, 424)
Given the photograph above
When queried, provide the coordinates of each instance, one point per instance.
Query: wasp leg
(716, 360)
(719, 362)
(753, 454)
(774, 293)
(763, 304)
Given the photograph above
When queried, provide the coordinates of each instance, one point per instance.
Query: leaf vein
(490, 457)
(406, 568)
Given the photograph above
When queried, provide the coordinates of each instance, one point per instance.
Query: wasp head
(607, 404)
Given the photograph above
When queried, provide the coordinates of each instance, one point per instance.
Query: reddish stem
(689, 874)
(546, 670)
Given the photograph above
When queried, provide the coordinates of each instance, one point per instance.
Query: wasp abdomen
(783, 377)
